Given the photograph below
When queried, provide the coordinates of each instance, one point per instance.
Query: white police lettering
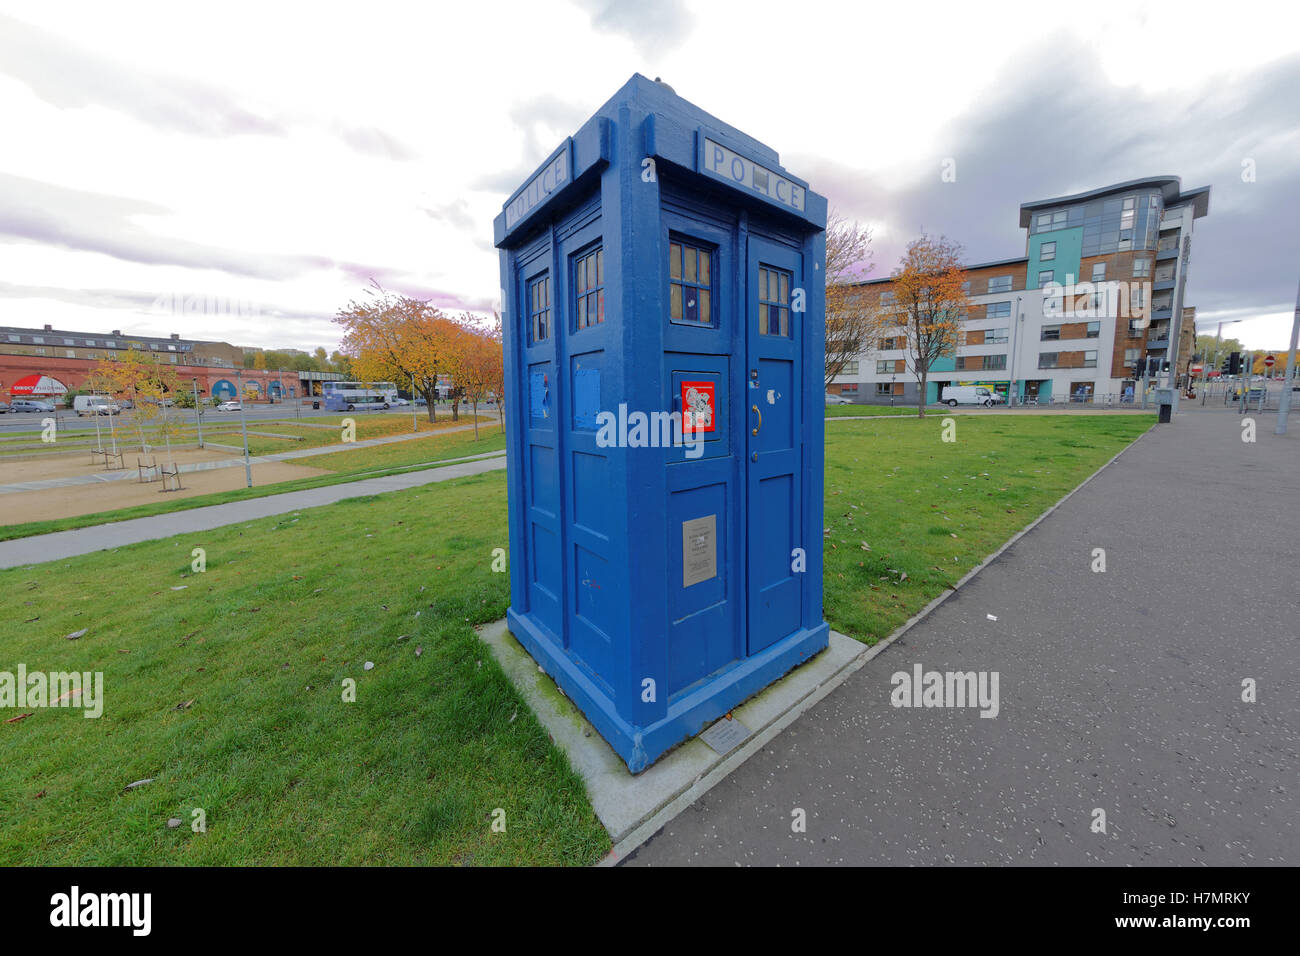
(555, 175)
(748, 174)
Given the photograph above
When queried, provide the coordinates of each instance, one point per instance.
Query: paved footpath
(1118, 690)
(65, 544)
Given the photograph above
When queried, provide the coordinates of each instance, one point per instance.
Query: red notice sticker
(699, 413)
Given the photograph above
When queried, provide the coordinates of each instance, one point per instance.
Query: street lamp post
(243, 423)
(198, 411)
(1289, 380)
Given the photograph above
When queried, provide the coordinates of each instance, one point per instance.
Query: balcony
(1163, 254)
(1158, 345)
(1163, 285)
(1162, 312)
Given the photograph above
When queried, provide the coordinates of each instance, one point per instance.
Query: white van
(95, 405)
(954, 395)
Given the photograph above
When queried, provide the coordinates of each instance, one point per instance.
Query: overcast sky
(274, 157)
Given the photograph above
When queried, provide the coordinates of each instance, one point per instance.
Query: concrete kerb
(690, 769)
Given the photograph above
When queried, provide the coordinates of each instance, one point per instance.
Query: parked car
(95, 405)
(421, 402)
(230, 407)
(31, 405)
(833, 399)
(400, 401)
(4, 407)
(954, 395)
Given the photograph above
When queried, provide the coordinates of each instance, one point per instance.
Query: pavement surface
(65, 544)
(1118, 691)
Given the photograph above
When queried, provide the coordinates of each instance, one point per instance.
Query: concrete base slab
(631, 807)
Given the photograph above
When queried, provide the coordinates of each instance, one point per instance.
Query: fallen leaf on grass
(78, 634)
(185, 704)
(139, 783)
(14, 720)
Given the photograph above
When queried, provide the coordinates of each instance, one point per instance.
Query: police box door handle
(760, 419)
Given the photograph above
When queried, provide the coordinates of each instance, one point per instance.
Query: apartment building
(1084, 314)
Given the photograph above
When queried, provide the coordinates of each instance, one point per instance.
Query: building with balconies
(1085, 313)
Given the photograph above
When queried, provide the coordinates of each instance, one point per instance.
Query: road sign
(1268, 361)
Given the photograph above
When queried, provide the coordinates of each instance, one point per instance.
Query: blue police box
(663, 284)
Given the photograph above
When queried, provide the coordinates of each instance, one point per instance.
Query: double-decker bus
(358, 396)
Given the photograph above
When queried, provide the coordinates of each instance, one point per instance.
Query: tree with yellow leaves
(388, 337)
(931, 304)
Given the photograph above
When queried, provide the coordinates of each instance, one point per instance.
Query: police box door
(774, 431)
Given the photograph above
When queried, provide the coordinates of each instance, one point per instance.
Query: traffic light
(1234, 363)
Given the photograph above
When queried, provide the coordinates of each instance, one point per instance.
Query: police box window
(589, 287)
(773, 301)
(539, 307)
(690, 283)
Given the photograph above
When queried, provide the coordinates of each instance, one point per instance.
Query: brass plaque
(699, 550)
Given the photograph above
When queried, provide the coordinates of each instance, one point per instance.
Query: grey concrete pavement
(64, 544)
(1119, 691)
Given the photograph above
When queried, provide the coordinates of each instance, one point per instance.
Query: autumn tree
(478, 361)
(149, 384)
(852, 317)
(930, 303)
(394, 338)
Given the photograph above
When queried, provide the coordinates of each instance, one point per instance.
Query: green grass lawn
(933, 509)
(286, 772)
(862, 411)
(289, 607)
(355, 465)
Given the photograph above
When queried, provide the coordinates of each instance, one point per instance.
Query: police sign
(744, 173)
(551, 177)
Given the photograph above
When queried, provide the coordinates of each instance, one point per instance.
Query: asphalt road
(1119, 691)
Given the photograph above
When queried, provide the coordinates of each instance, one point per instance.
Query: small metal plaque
(726, 735)
(699, 550)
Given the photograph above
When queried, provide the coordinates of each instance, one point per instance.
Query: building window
(40, 351)
(850, 368)
(1141, 268)
(998, 310)
(589, 288)
(1000, 284)
(884, 388)
(1048, 359)
(539, 308)
(1047, 252)
(965, 287)
(69, 341)
(1045, 220)
(39, 340)
(1050, 333)
(1059, 218)
(690, 284)
(1099, 272)
(995, 337)
(1089, 359)
(1094, 330)
(1046, 276)
(1135, 297)
(992, 363)
(884, 366)
(889, 343)
(70, 353)
(1131, 356)
(888, 298)
(773, 301)
(849, 388)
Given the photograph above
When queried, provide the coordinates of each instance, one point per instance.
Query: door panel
(774, 463)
